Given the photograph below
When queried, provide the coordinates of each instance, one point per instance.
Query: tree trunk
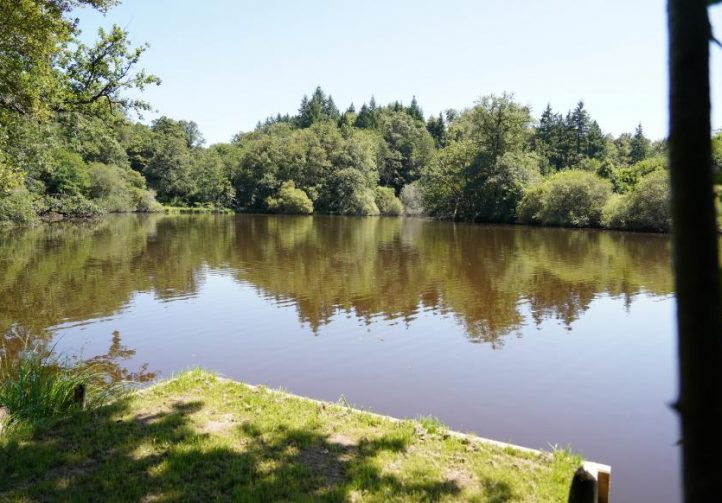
(696, 259)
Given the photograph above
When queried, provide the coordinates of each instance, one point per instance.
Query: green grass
(201, 438)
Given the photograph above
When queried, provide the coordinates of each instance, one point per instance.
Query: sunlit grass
(199, 437)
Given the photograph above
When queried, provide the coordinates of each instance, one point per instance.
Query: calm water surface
(540, 337)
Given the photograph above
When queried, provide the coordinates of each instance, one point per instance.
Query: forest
(73, 144)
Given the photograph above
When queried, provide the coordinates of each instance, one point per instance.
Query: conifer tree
(549, 136)
(579, 125)
(363, 120)
(329, 109)
(415, 110)
(437, 129)
(595, 141)
(368, 115)
(640, 146)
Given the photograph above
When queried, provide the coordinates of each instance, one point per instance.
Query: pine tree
(363, 120)
(330, 112)
(640, 146)
(415, 110)
(437, 129)
(318, 108)
(351, 109)
(595, 141)
(549, 137)
(367, 116)
(580, 124)
(346, 120)
(303, 117)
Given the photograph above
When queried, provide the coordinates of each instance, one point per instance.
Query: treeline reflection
(392, 268)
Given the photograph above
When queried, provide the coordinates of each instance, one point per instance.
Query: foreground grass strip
(199, 437)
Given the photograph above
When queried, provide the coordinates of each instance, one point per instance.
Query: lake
(539, 337)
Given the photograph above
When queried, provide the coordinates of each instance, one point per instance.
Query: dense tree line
(68, 147)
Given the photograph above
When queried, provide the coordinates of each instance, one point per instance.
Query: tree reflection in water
(393, 268)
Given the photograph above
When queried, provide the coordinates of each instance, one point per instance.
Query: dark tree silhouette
(696, 258)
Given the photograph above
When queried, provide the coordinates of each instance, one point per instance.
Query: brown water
(540, 337)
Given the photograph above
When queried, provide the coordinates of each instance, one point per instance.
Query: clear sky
(228, 63)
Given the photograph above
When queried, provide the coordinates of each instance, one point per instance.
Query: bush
(614, 215)
(290, 200)
(646, 207)
(16, 207)
(589, 164)
(625, 179)
(387, 202)
(351, 194)
(361, 202)
(10, 178)
(144, 201)
(412, 199)
(69, 174)
(120, 190)
(71, 207)
(529, 209)
(109, 187)
(569, 198)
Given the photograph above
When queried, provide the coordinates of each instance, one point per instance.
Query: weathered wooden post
(591, 484)
(584, 487)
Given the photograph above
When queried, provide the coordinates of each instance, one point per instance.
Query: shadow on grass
(165, 457)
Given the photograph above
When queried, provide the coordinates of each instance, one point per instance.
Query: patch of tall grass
(38, 388)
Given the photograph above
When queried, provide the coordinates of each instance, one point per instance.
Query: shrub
(120, 190)
(569, 198)
(614, 215)
(625, 179)
(575, 198)
(10, 178)
(529, 209)
(290, 200)
(589, 164)
(110, 188)
(69, 174)
(361, 202)
(387, 202)
(144, 201)
(16, 207)
(646, 207)
(412, 199)
(71, 207)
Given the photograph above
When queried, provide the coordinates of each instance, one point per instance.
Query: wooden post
(695, 251)
(591, 484)
(584, 487)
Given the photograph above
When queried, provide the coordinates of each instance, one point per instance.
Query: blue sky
(227, 64)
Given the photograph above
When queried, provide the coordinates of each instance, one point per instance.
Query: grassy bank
(197, 437)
